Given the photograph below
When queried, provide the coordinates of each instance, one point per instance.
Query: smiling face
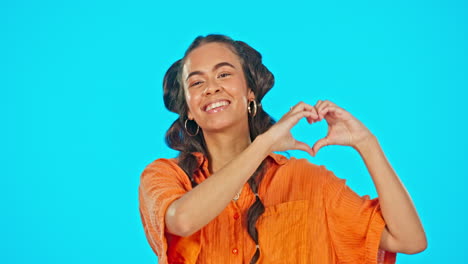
(215, 88)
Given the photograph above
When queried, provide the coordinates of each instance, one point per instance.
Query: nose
(212, 88)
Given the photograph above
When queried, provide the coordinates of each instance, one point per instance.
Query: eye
(223, 75)
(195, 83)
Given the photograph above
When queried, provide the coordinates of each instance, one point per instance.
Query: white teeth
(217, 104)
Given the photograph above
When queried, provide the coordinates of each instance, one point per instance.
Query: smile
(217, 106)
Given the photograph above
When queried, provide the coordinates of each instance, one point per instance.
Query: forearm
(207, 200)
(398, 210)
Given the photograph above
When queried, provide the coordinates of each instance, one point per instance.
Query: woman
(227, 198)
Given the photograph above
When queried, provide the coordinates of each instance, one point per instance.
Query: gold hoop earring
(253, 111)
(186, 130)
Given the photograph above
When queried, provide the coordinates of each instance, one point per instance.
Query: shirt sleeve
(161, 183)
(355, 224)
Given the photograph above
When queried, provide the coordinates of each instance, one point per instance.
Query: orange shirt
(311, 216)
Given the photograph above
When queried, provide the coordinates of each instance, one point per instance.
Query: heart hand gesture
(343, 128)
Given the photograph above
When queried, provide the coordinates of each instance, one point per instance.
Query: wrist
(263, 144)
(367, 144)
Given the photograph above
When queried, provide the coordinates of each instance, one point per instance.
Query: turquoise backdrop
(82, 114)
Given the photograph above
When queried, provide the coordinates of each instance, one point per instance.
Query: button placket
(237, 245)
(236, 216)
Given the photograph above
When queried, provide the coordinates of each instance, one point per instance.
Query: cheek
(238, 87)
(191, 99)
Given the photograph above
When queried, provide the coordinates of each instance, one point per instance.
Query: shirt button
(235, 251)
(236, 216)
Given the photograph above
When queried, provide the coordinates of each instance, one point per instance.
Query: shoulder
(161, 165)
(163, 170)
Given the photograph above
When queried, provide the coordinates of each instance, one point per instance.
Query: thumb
(319, 144)
(304, 147)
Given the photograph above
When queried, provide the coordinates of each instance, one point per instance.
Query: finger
(293, 119)
(322, 105)
(299, 145)
(319, 144)
(314, 116)
(319, 106)
(301, 106)
(296, 116)
(320, 117)
(331, 109)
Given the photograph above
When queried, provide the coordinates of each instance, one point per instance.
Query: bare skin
(233, 157)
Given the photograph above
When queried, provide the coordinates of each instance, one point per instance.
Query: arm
(404, 232)
(210, 197)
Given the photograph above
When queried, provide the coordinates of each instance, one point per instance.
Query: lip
(215, 101)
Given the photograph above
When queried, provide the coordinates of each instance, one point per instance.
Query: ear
(251, 95)
(189, 115)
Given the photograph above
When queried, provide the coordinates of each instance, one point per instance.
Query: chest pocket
(284, 235)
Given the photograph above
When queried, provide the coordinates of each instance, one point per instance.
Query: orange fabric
(311, 216)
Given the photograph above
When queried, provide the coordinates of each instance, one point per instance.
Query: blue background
(82, 114)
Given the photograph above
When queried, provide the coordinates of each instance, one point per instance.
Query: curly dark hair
(259, 79)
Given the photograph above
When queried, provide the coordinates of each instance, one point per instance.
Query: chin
(222, 125)
(215, 128)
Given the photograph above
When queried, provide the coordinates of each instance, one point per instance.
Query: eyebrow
(217, 66)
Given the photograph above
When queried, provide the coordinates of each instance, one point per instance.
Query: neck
(223, 147)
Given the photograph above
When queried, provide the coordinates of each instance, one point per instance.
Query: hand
(279, 135)
(343, 128)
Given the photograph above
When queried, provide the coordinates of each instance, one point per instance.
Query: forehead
(208, 55)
